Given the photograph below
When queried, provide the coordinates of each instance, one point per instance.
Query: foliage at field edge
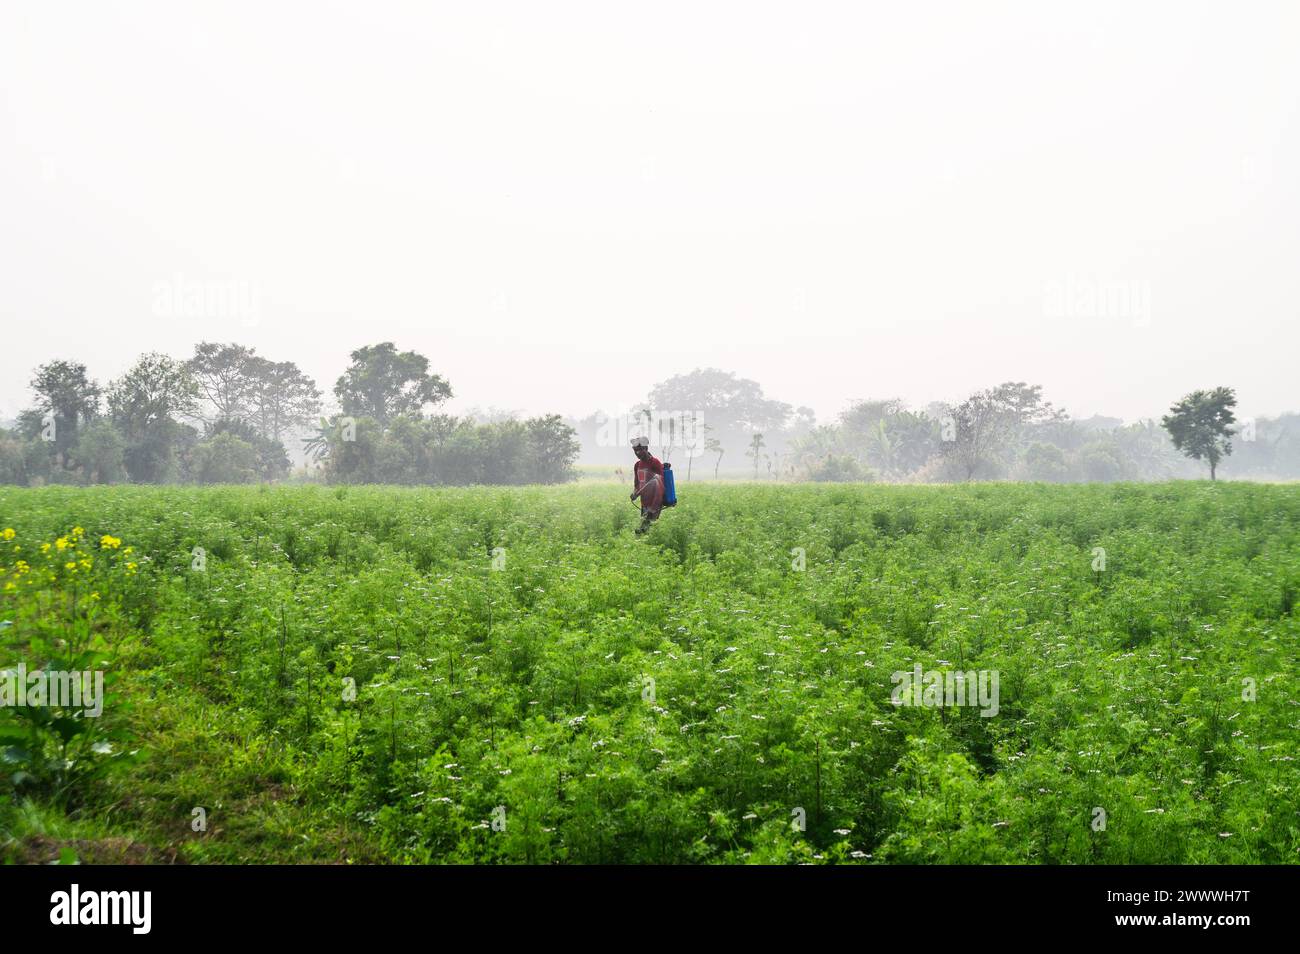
(533, 684)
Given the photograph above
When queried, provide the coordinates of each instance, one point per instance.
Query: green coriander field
(509, 675)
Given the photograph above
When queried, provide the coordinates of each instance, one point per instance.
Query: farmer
(647, 482)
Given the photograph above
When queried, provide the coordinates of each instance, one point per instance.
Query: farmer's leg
(652, 501)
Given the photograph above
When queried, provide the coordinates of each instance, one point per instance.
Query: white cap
(641, 442)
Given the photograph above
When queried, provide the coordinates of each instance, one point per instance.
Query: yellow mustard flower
(61, 543)
(7, 533)
(109, 542)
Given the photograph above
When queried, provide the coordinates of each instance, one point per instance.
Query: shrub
(225, 459)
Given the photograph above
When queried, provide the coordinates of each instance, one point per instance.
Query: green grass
(525, 692)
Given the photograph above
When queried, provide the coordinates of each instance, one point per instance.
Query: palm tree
(815, 446)
(755, 451)
(713, 446)
(881, 449)
(690, 456)
(318, 445)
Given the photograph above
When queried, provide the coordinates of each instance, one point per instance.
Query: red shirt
(642, 470)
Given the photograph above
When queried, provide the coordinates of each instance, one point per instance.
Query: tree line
(229, 415)
(226, 415)
(1007, 432)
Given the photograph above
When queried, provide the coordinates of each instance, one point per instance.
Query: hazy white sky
(562, 203)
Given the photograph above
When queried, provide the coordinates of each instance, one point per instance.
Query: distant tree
(1099, 422)
(914, 439)
(382, 383)
(818, 446)
(272, 460)
(1271, 452)
(441, 449)
(755, 451)
(225, 459)
(144, 405)
(357, 450)
(317, 445)
(281, 397)
(466, 454)
(1100, 461)
(101, 453)
(225, 379)
(733, 407)
(23, 462)
(987, 422)
(713, 446)
(491, 415)
(839, 468)
(981, 426)
(500, 453)
(1147, 449)
(1062, 432)
(863, 417)
(1024, 403)
(882, 448)
(887, 436)
(804, 420)
(721, 399)
(1045, 462)
(552, 447)
(402, 454)
(1200, 425)
(65, 398)
(691, 448)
